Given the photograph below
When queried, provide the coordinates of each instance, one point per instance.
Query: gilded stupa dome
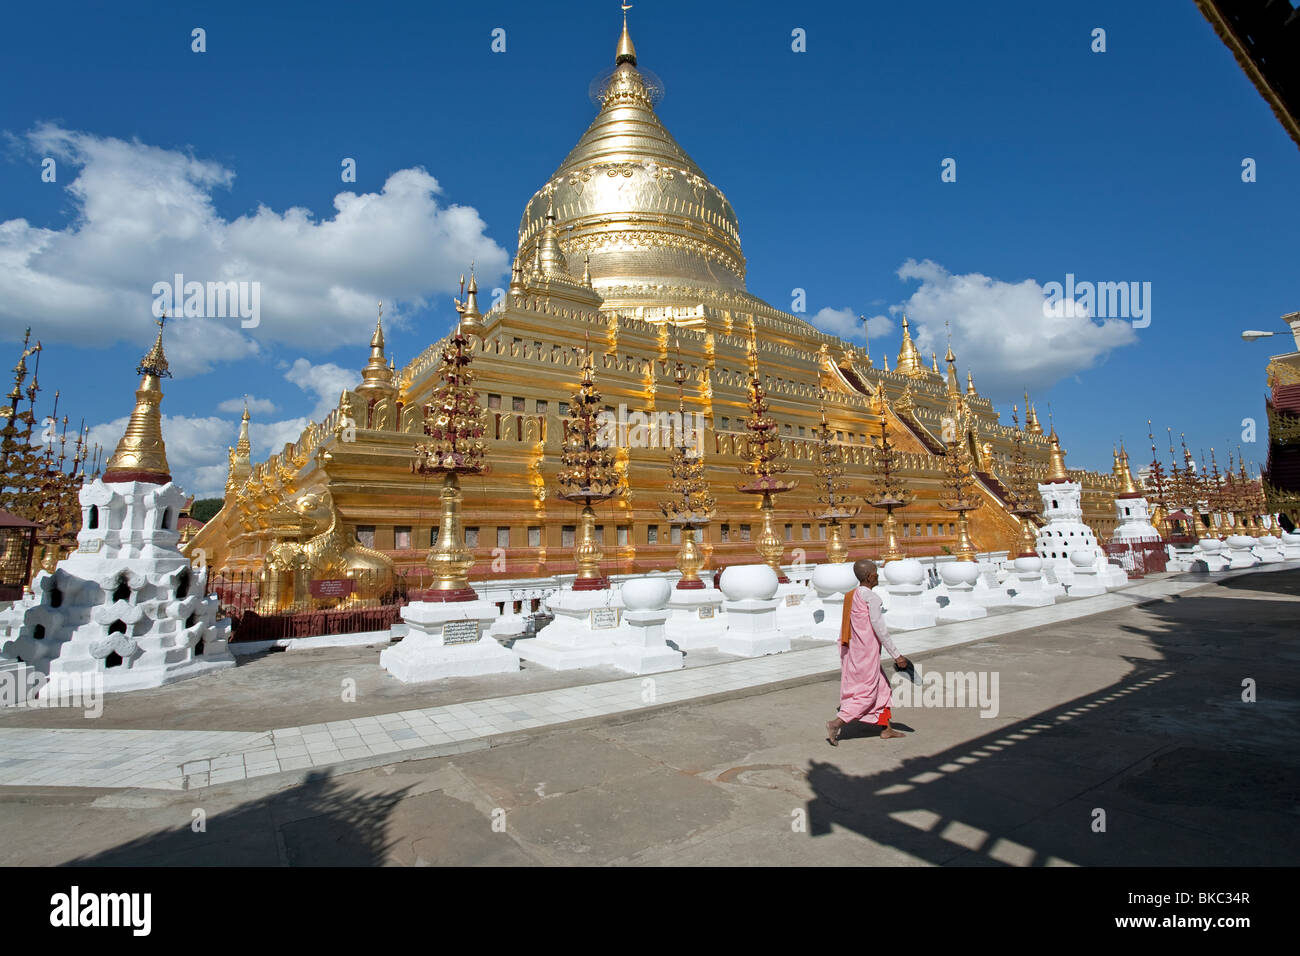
(629, 197)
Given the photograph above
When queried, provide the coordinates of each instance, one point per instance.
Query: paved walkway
(184, 760)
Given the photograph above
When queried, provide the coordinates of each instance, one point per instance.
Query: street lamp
(1251, 335)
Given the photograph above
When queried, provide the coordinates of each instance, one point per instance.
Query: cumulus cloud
(256, 406)
(143, 214)
(1000, 332)
(847, 325)
(326, 381)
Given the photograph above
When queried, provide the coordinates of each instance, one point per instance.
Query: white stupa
(1132, 510)
(126, 608)
(1065, 531)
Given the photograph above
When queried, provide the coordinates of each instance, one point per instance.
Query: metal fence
(1139, 558)
(374, 604)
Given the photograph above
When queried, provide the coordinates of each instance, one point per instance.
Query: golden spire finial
(550, 255)
(241, 464)
(954, 388)
(1057, 473)
(1128, 487)
(970, 383)
(909, 359)
(377, 340)
(586, 270)
(375, 371)
(141, 454)
(471, 319)
(626, 52)
(1032, 424)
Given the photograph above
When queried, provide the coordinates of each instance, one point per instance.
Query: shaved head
(865, 569)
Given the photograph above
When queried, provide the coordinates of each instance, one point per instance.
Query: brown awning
(13, 521)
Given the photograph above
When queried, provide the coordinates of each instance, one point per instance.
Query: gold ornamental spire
(1032, 424)
(244, 446)
(550, 257)
(954, 387)
(588, 473)
(1129, 488)
(241, 463)
(141, 455)
(909, 359)
(471, 319)
(626, 52)
(970, 384)
(375, 371)
(1057, 473)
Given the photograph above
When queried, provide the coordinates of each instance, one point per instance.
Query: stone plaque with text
(460, 632)
(604, 618)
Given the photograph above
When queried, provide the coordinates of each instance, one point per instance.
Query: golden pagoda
(140, 454)
(627, 238)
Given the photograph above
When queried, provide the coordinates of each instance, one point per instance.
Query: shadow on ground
(317, 823)
(1169, 766)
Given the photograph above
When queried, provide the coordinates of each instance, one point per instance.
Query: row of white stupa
(126, 609)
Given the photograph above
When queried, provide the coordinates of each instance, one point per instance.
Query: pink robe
(864, 690)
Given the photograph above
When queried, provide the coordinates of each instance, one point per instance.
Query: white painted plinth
(423, 654)
(570, 641)
(1290, 545)
(640, 648)
(1269, 550)
(989, 591)
(509, 625)
(1086, 580)
(1209, 555)
(695, 619)
(751, 628)
(986, 596)
(751, 605)
(907, 606)
(832, 583)
(959, 579)
(1240, 555)
(796, 620)
(1028, 583)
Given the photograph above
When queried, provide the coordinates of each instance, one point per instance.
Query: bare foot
(833, 732)
(889, 733)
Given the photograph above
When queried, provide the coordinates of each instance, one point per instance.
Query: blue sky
(1115, 166)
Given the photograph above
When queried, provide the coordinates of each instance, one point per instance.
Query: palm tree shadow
(317, 823)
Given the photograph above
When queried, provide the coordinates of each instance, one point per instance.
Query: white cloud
(847, 325)
(256, 406)
(999, 330)
(144, 213)
(326, 381)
